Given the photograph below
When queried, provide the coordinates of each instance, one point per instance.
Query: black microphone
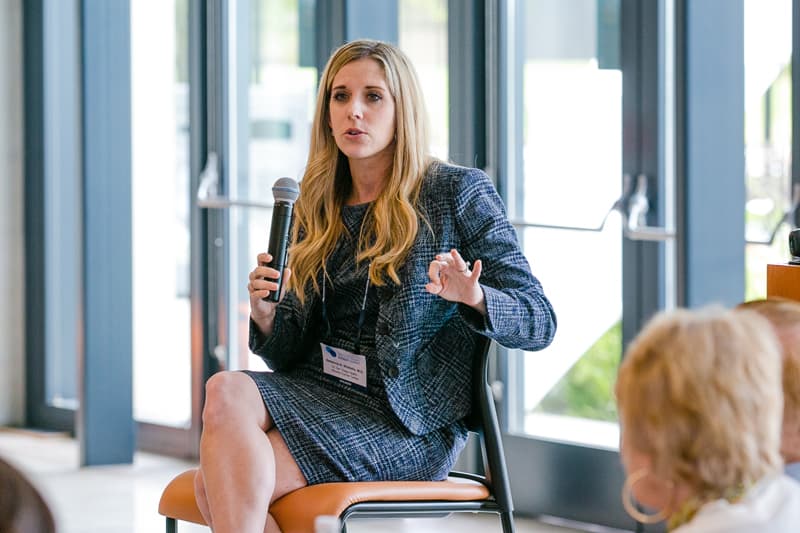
(794, 246)
(285, 192)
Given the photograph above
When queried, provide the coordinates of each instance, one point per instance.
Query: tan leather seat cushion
(295, 512)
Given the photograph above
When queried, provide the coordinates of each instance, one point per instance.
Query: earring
(630, 505)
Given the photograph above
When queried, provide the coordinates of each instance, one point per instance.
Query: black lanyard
(361, 313)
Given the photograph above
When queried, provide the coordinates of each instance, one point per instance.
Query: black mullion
(467, 89)
(330, 29)
(642, 269)
(198, 152)
(37, 45)
(631, 54)
(33, 65)
(215, 243)
(681, 273)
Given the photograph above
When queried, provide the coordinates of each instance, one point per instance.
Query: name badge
(350, 368)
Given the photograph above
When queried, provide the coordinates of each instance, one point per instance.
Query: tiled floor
(124, 499)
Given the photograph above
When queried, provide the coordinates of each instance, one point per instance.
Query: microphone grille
(285, 190)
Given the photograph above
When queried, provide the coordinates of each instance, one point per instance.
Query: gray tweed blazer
(424, 343)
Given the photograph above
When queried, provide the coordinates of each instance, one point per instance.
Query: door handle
(634, 225)
(618, 206)
(208, 191)
(632, 207)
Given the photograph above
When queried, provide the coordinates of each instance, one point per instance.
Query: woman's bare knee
(233, 397)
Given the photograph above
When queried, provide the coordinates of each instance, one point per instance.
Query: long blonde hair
(392, 222)
(700, 393)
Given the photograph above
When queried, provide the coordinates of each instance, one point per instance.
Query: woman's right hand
(262, 284)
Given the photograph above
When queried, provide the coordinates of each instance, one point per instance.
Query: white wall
(12, 378)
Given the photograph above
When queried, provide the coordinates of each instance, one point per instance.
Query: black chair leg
(508, 522)
(172, 525)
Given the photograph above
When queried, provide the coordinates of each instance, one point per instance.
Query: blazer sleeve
(519, 315)
(287, 343)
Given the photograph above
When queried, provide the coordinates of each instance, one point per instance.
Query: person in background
(784, 315)
(399, 263)
(22, 508)
(700, 403)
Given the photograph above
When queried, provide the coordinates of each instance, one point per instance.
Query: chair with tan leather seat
(461, 492)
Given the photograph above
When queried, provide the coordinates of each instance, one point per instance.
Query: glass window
(768, 128)
(572, 167)
(273, 124)
(423, 36)
(160, 206)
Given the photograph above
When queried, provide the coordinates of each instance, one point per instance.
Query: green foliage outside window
(587, 390)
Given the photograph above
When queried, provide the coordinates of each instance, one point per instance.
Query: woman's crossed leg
(245, 464)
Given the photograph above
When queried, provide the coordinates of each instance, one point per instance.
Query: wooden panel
(783, 281)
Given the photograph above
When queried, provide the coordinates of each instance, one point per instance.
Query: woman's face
(362, 112)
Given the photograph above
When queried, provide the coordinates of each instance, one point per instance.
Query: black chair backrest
(482, 420)
(480, 357)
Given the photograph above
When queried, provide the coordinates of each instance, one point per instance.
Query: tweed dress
(337, 432)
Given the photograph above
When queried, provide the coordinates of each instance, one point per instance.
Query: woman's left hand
(451, 278)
